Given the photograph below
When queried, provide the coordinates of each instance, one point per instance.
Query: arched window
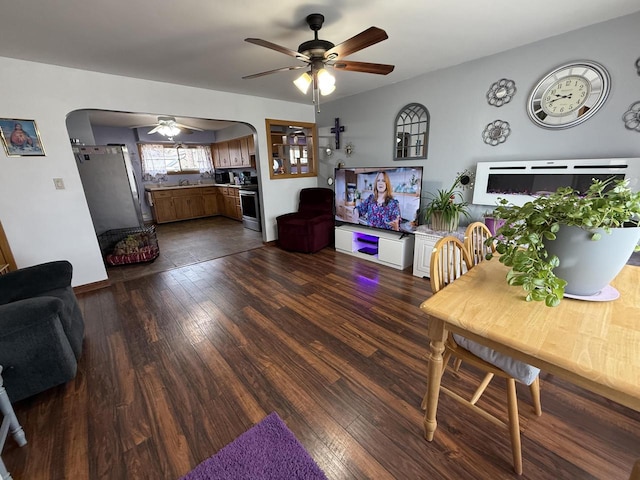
(411, 132)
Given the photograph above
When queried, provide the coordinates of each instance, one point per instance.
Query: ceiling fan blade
(188, 127)
(377, 68)
(284, 69)
(154, 130)
(370, 36)
(277, 48)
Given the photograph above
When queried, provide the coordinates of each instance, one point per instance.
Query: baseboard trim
(90, 287)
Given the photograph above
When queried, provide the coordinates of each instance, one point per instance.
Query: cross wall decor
(337, 129)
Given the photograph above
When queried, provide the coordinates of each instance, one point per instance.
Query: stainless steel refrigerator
(110, 186)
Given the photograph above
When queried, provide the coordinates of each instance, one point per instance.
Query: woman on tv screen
(380, 209)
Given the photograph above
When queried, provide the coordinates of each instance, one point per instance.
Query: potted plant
(532, 239)
(445, 207)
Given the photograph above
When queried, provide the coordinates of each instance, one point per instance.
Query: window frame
(182, 171)
(278, 128)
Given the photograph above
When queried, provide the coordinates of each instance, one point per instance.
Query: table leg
(437, 334)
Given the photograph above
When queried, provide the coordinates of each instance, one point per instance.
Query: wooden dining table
(595, 345)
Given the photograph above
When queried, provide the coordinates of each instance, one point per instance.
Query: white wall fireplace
(521, 181)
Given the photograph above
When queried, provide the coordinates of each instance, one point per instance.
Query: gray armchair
(41, 328)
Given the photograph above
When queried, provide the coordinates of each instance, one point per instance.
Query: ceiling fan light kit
(303, 82)
(168, 127)
(326, 82)
(318, 54)
(168, 130)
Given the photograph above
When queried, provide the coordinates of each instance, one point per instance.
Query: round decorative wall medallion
(501, 92)
(631, 117)
(496, 133)
(569, 95)
(348, 149)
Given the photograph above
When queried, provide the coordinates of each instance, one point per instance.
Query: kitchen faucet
(183, 181)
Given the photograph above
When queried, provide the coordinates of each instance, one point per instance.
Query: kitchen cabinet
(251, 146)
(231, 202)
(234, 153)
(163, 209)
(221, 155)
(188, 206)
(210, 201)
(173, 204)
(245, 154)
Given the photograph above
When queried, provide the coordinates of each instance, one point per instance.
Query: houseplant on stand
(445, 207)
(532, 240)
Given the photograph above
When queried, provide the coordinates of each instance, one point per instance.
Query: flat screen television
(361, 197)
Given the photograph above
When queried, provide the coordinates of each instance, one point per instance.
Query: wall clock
(569, 95)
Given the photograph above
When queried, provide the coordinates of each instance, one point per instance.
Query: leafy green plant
(607, 204)
(449, 203)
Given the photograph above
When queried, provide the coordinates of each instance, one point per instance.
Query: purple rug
(267, 451)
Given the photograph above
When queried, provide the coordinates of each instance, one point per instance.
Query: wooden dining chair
(449, 261)
(474, 242)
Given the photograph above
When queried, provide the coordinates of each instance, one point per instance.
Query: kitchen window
(171, 159)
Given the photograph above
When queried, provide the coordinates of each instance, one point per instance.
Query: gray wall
(455, 98)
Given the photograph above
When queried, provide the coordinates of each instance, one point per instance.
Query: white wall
(455, 98)
(44, 224)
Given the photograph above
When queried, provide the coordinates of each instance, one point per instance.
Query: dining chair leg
(456, 364)
(445, 361)
(481, 388)
(514, 425)
(534, 388)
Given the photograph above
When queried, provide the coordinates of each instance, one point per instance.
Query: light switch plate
(59, 183)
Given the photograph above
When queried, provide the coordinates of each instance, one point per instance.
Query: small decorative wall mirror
(496, 133)
(501, 92)
(411, 132)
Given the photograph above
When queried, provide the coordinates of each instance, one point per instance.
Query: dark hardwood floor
(177, 364)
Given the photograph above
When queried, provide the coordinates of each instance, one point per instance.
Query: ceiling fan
(318, 54)
(168, 126)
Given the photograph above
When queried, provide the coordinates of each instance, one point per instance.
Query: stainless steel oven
(250, 203)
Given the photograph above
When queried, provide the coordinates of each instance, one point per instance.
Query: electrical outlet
(59, 183)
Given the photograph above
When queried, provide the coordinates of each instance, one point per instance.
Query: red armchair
(310, 228)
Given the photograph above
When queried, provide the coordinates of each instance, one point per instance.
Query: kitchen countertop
(151, 188)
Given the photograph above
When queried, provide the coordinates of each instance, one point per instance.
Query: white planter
(439, 223)
(587, 265)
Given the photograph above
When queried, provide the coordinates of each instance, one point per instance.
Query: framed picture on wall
(21, 138)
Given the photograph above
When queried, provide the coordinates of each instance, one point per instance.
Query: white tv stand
(388, 248)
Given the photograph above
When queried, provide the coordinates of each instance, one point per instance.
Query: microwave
(222, 177)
